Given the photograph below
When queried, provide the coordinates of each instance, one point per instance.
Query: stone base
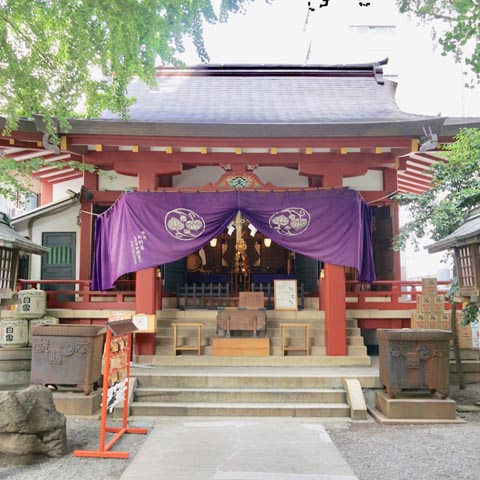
(414, 408)
(76, 403)
(15, 367)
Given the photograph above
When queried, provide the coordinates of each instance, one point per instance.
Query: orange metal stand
(104, 449)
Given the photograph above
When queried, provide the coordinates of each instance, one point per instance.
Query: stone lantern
(465, 242)
(11, 245)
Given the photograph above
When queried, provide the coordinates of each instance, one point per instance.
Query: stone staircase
(295, 336)
(246, 391)
(297, 385)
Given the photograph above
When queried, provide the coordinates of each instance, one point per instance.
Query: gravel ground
(424, 452)
(82, 434)
(372, 450)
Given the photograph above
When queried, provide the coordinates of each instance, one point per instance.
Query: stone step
(471, 366)
(240, 409)
(272, 322)
(355, 341)
(319, 350)
(356, 350)
(275, 351)
(191, 359)
(240, 395)
(466, 354)
(245, 380)
(318, 340)
(468, 377)
(207, 342)
(212, 332)
(353, 331)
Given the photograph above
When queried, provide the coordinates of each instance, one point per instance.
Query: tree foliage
(455, 192)
(441, 210)
(49, 49)
(462, 18)
(58, 54)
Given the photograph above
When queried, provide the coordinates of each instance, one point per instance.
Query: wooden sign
(116, 379)
(145, 323)
(285, 294)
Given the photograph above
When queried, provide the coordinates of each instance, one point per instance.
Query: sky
(276, 33)
(286, 31)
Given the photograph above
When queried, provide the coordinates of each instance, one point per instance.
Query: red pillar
(390, 180)
(46, 193)
(90, 182)
(333, 296)
(145, 303)
(396, 231)
(335, 310)
(146, 281)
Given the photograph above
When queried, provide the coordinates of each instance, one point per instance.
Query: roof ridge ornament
(378, 72)
(430, 140)
(49, 141)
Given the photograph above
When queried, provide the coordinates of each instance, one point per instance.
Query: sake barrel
(45, 320)
(31, 303)
(13, 332)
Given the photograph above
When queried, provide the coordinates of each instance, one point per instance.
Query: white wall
(64, 221)
(281, 177)
(115, 181)
(60, 189)
(372, 181)
(198, 177)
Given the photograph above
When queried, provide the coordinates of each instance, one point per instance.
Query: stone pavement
(182, 448)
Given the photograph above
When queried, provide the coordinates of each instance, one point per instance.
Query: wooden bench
(197, 347)
(306, 347)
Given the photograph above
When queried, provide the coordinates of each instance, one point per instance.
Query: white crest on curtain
(290, 221)
(184, 224)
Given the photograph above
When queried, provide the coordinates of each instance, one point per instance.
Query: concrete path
(238, 449)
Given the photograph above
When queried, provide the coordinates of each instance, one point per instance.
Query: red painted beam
(374, 323)
(245, 142)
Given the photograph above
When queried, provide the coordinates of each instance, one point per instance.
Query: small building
(12, 247)
(465, 243)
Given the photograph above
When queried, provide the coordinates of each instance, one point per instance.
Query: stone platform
(411, 408)
(78, 404)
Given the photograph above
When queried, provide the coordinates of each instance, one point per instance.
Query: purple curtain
(144, 229)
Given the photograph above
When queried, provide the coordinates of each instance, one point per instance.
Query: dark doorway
(59, 264)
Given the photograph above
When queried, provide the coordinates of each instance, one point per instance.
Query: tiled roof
(11, 239)
(266, 96)
(468, 232)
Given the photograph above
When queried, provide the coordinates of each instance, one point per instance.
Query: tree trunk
(456, 347)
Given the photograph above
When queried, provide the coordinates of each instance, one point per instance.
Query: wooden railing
(78, 296)
(388, 294)
(203, 296)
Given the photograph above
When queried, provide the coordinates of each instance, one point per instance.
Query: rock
(30, 423)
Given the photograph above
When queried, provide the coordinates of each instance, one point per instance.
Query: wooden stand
(306, 347)
(197, 347)
(241, 347)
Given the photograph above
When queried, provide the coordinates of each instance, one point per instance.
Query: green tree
(57, 54)
(455, 192)
(462, 18)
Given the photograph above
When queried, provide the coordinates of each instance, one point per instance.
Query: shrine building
(224, 180)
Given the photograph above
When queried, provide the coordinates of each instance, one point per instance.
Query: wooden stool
(306, 347)
(196, 347)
